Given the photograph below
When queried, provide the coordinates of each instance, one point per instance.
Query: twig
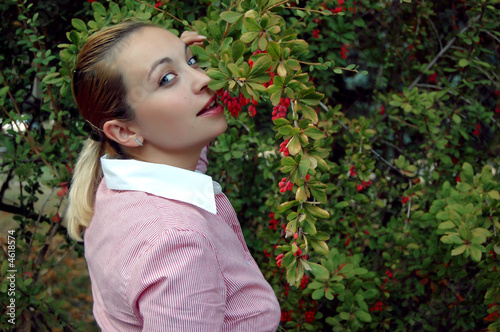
(377, 155)
(29, 140)
(491, 35)
(443, 51)
(38, 222)
(436, 32)
(164, 11)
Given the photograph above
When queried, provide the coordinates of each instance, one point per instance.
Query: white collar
(161, 180)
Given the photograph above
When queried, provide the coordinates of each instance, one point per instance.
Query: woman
(163, 245)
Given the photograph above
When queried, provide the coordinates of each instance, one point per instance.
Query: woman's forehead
(145, 48)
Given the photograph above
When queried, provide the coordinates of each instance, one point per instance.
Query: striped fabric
(160, 264)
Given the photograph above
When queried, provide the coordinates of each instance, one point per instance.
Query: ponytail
(100, 93)
(86, 178)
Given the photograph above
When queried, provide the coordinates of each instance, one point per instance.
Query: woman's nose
(200, 80)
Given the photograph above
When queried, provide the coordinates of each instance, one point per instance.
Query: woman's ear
(121, 132)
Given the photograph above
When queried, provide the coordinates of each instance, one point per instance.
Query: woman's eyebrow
(162, 61)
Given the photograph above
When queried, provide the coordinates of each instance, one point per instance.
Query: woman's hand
(192, 38)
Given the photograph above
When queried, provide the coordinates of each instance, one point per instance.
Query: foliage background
(395, 192)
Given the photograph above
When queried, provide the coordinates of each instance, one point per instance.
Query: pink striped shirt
(164, 264)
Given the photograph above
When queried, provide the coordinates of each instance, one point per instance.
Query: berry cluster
(493, 316)
(405, 199)
(344, 51)
(273, 223)
(267, 254)
(304, 282)
(352, 171)
(286, 316)
(235, 104)
(309, 316)
(279, 258)
(363, 185)
(279, 111)
(285, 185)
(283, 148)
(341, 8)
(382, 110)
(252, 109)
(477, 131)
(378, 306)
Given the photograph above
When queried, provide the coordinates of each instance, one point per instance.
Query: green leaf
(458, 250)
(345, 315)
(308, 227)
(446, 225)
(476, 252)
(341, 205)
(234, 69)
(463, 63)
(286, 206)
(494, 194)
(251, 24)
(79, 24)
(443, 215)
(273, 49)
(216, 74)
(216, 84)
(304, 165)
(363, 316)
(309, 113)
(249, 36)
(300, 194)
(281, 122)
(98, 8)
(288, 161)
(318, 293)
(314, 132)
(320, 247)
(294, 146)
(319, 195)
(319, 271)
(237, 49)
(230, 16)
(467, 173)
(316, 211)
(49, 79)
(3, 90)
(261, 65)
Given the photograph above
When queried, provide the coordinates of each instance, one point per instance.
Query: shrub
(361, 156)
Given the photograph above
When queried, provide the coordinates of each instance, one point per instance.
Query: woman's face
(175, 112)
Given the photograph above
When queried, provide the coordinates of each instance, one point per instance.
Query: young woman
(164, 248)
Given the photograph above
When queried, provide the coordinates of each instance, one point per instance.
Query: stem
(164, 11)
(377, 155)
(443, 51)
(293, 114)
(29, 140)
(38, 222)
(278, 4)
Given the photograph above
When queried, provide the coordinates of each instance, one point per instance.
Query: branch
(164, 11)
(28, 138)
(377, 155)
(443, 51)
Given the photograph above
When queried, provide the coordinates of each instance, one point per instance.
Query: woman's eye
(193, 61)
(166, 79)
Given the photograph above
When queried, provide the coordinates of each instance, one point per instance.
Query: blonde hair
(100, 94)
(86, 178)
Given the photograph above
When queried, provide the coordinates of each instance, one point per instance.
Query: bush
(361, 158)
